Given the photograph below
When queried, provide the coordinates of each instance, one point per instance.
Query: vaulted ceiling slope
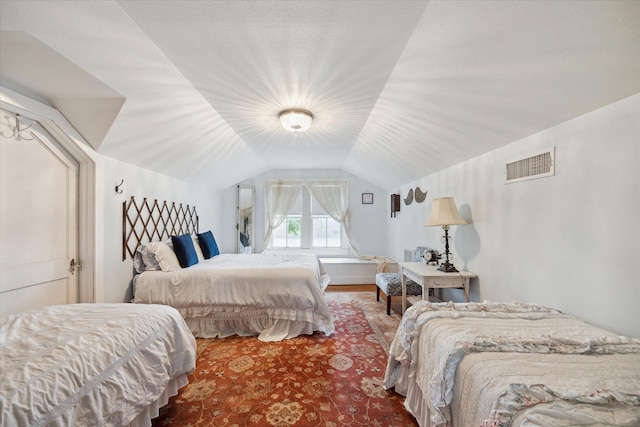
(399, 89)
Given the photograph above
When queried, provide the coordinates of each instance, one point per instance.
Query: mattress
(92, 364)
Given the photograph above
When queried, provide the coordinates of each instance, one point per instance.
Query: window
(327, 232)
(287, 235)
(307, 226)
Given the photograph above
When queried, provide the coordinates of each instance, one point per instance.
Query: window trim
(306, 230)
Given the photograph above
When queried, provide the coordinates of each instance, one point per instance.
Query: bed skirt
(251, 323)
(143, 419)
(414, 399)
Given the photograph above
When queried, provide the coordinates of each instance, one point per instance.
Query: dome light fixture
(295, 119)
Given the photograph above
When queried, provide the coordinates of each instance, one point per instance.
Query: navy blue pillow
(184, 249)
(208, 245)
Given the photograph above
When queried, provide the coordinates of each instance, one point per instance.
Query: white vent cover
(536, 166)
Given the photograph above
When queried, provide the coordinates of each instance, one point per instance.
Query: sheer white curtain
(332, 196)
(280, 196)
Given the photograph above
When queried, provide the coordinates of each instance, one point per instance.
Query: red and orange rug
(315, 380)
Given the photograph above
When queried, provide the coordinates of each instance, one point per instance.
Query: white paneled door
(38, 218)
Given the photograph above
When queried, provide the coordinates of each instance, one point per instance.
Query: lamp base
(447, 267)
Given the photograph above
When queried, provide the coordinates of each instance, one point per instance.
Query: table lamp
(445, 213)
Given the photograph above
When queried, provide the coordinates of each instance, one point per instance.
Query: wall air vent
(537, 166)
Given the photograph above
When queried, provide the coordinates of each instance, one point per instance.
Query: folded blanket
(553, 408)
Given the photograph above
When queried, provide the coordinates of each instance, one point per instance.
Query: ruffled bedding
(441, 354)
(92, 364)
(597, 407)
(273, 296)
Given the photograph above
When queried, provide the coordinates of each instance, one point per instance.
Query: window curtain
(332, 195)
(280, 196)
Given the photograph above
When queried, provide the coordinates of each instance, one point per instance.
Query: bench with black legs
(391, 285)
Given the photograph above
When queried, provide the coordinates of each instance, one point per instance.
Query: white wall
(368, 222)
(570, 241)
(140, 183)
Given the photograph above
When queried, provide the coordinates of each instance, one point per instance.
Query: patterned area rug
(312, 380)
(375, 311)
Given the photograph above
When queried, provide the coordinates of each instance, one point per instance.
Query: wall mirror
(244, 225)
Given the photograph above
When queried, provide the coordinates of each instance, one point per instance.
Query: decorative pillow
(196, 245)
(164, 256)
(418, 254)
(138, 264)
(208, 245)
(184, 249)
(143, 260)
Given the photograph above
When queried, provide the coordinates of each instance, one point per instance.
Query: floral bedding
(547, 407)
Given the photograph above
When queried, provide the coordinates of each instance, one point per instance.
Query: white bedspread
(91, 364)
(271, 295)
(437, 352)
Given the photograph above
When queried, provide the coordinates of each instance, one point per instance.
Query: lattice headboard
(145, 222)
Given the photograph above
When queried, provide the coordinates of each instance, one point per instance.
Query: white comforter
(92, 364)
(273, 296)
(465, 364)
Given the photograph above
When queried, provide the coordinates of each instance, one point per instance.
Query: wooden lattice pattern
(147, 222)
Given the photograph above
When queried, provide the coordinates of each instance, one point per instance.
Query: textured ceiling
(398, 89)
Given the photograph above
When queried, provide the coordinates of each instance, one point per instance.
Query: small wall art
(420, 196)
(409, 199)
(367, 198)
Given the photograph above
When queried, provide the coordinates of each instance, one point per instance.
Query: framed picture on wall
(367, 198)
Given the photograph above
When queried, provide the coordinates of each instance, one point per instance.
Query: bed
(500, 364)
(92, 364)
(273, 296)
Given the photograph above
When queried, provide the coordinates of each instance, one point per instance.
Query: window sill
(324, 252)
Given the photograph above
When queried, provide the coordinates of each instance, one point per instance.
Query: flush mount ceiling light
(295, 119)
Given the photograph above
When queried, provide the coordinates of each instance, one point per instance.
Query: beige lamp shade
(444, 212)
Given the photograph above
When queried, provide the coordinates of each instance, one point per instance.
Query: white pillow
(164, 255)
(196, 245)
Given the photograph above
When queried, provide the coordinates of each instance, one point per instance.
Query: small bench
(391, 285)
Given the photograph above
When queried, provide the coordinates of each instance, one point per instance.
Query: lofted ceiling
(399, 89)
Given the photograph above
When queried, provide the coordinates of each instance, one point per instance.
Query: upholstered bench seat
(391, 285)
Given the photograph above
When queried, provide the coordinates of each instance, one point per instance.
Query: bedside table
(429, 277)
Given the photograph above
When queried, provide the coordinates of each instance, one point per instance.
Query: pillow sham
(184, 249)
(138, 264)
(196, 245)
(164, 256)
(143, 260)
(208, 245)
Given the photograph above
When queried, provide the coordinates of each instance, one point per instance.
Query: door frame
(90, 286)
